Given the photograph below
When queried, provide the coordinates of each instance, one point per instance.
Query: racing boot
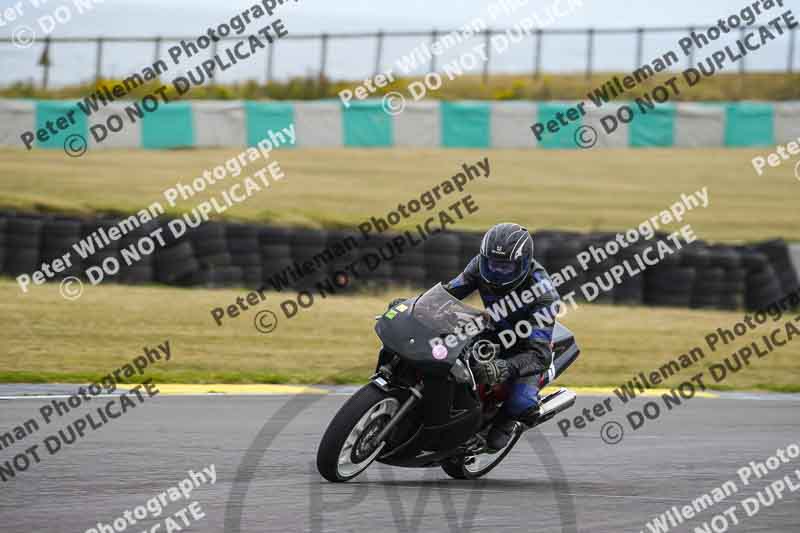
(504, 427)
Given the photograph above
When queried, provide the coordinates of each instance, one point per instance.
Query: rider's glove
(488, 325)
(497, 371)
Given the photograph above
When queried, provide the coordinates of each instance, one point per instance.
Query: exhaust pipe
(552, 404)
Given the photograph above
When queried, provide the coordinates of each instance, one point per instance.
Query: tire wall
(221, 254)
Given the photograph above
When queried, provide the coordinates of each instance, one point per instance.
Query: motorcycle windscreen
(429, 331)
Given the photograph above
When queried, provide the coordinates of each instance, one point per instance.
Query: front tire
(346, 448)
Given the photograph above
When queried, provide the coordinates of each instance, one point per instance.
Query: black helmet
(506, 256)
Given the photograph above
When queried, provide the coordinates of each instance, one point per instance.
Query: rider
(504, 265)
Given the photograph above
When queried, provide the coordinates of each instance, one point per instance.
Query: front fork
(413, 398)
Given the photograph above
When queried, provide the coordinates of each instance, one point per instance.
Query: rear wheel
(454, 468)
(348, 446)
(475, 466)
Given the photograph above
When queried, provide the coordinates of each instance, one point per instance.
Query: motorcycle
(422, 407)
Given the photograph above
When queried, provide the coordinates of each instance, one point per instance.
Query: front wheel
(475, 466)
(347, 447)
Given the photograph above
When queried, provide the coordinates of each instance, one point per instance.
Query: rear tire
(454, 468)
(462, 468)
(345, 450)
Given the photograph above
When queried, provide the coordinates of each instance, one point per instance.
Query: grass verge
(748, 86)
(47, 339)
(580, 190)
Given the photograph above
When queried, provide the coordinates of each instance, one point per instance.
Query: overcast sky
(353, 59)
(345, 15)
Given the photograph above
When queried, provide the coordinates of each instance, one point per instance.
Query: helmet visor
(500, 271)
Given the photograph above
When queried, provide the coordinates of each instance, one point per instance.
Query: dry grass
(724, 86)
(49, 339)
(576, 190)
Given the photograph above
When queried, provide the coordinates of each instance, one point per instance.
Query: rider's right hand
(488, 325)
(493, 372)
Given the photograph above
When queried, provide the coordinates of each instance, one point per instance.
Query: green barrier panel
(263, 117)
(749, 124)
(367, 124)
(52, 110)
(465, 124)
(169, 126)
(565, 136)
(652, 127)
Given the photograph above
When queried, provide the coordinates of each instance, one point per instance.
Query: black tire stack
(763, 284)
(218, 254)
(210, 244)
(58, 236)
(542, 242)
(442, 258)
(3, 223)
(409, 265)
(562, 258)
(777, 252)
(276, 257)
(309, 251)
(470, 247)
(378, 261)
(599, 269)
(5, 253)
(22, 244)
(141, 271)
(244, 250)
(630, 291)
(177, 264)
(669, 283)
(102, 250)
(709, 281)
(344, 245)
(732, 289)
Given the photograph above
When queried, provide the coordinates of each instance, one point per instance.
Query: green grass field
(49, 339)
(576, 190)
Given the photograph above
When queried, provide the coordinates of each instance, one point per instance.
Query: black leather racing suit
(532, 355)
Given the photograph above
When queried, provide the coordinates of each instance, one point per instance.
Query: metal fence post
(589, 52)
(157, 54)
(98, 60)
(211, 80)
(742, 65)
(434, 36)
(487, 41)
(378, 52)
(381, 35)
(742, 62)
(44, 61)
(270, 52)
(323, 60)
(639, 47)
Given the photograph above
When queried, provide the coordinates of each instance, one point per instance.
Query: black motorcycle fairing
(425, 365)
(565, 349)
(408, 328)
(450, 411)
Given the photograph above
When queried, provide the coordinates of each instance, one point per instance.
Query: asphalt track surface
(263, 448)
